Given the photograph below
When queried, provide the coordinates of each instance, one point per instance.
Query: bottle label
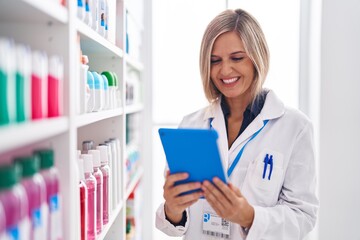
(36, 223)
(55, 217)
(24, 228)
(13, 233)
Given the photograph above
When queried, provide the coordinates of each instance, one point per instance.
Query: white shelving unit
(53, 28)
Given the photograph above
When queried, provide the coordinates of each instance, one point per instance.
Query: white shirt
(286, 205)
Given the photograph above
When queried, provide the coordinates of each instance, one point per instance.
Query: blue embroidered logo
(206, 217)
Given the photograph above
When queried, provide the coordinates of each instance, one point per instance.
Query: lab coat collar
(273, 108)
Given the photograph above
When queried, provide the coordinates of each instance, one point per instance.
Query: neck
(238, 105)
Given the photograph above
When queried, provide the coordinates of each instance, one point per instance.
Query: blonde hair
(254, 42)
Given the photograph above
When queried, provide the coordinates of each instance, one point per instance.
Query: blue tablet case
(194, 151)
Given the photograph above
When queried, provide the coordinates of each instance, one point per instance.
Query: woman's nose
(226, 68)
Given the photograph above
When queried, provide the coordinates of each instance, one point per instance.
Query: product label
(55, 218)
(36, 223)
(24, 228)
(13, 233)
(3, 236)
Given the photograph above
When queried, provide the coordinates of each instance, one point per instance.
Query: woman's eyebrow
(237, 52)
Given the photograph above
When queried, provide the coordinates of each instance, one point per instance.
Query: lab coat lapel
(218, 123)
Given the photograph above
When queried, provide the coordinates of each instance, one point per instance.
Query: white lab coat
(285, 206)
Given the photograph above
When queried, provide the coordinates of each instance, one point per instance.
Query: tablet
(194, 151)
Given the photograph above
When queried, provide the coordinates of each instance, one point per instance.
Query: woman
(266, 147)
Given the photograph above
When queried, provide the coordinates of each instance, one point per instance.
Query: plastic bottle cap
(29, 165)
(84, 59)
(110, 78)
(90, 80)
(88, 163)
(46, 157)
(9, 176)
(87, 145)
(96, 157)
(106, 84)
(103, 154)
(98, 81)
(116, 79)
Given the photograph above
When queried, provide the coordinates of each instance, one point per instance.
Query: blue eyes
(235, 59)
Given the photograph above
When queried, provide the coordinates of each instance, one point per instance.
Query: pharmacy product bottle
(34, 186)
(86, 146)
(55, 86)
(114, 173)
(102, 12)
(111, 89)
(81, 9)
(10, 200)
(99, 189)
(23, 87)
(7, 82)
(99, 91)
(106, 93)
(117, 90)
(84, 67)
(112, 182)
(116, 165)
(83, 199)
(51, 177)
(90, 182)
(106, 19)
(39, 85)
(2, 223)
(90, 93)
(88, 12)
(95, 14)
(105, 169)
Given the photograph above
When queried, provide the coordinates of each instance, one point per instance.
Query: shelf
(89, 118)
(134, 181)
(18, 135)
(138, 66)
(33, 11)
(134, 108)
(93, 43)
(112, 218)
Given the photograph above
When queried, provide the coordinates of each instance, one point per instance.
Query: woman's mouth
(230, 80)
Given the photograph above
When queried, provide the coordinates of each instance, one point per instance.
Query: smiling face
(232, 71)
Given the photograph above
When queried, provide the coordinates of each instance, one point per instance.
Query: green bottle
(7, 82)
(23, 78)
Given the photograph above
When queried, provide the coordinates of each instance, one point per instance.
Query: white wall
(339, 120)
(280, 21)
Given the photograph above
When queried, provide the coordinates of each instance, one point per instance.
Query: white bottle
(81, 9)
(95, 14)
(83, 84)
(88, 12)
(106, 19)
(99, 92)
(102, 15)
(90, 93)
(106, 93)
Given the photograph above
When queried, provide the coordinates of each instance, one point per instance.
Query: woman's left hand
(228, 202)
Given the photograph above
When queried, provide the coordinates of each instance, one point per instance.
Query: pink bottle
(39, 85)
(55, 86)
(90, 182)
(10, 200)
(34, 186)
(2, 223)
(105, 169)
(83, 199)
(99, 189)
(51, 178)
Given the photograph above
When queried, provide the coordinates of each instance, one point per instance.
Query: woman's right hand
(175, 204)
